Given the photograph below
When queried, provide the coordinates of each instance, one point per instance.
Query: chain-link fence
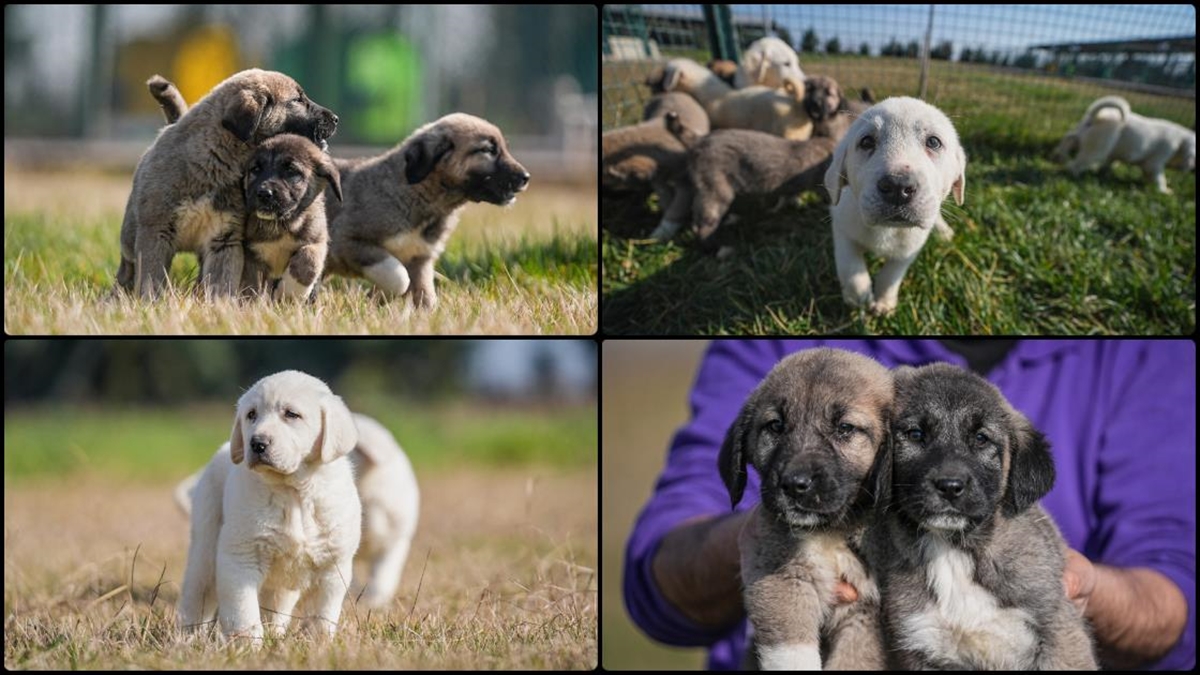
(1038, 65)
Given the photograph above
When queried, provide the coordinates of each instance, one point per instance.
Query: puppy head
(259, 104)
(961, 453)
(812, 429)
(823, 97)
(900, 159)
(284, 175)
(289, 421)
(468, 156)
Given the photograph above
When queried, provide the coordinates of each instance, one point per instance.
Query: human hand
(1079, 579)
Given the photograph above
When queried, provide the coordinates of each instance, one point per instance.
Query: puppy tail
(168, 97)
(680, 130)
(1120, 104)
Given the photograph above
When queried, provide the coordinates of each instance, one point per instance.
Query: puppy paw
(665, 231)
(858, 298)
(424, 299)
(883, 307)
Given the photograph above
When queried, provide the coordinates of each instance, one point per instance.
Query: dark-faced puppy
(402, 206)
(831, 112)
(286, 235)
(970, 565)
(187, 188)
(812, 429)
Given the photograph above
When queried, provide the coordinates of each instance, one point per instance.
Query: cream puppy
(889, 176)
(276, 518)
(769, 61)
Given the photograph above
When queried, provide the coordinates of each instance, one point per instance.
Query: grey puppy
(187, 188)
(734, 162)
(813, 429)
(286, 237)
(970, 565)
(402, 206)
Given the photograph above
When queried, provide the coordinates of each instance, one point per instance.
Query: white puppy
(689, 77)
(1110, 130)
(276, 518)
(899, 161)
(769, 61)
(391, 504)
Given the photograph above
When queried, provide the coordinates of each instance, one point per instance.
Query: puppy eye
(774, 426)
(915, 435)
(845, 429)
(867, 143)
(981, 438)
(291, 414)
(251, 415)
(933, 143)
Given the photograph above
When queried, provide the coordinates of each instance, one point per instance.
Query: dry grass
(502, 575)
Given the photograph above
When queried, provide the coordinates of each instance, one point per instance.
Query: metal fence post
(719, 20)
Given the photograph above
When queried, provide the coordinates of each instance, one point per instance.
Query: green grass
(148, 444)
(1036, 251)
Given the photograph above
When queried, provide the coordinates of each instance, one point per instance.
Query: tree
(833, 47)
(809, 43)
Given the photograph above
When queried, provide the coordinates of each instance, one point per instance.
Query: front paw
(424, 299)
(883, 307)
(858, 298)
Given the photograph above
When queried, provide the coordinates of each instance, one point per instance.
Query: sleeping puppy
(970, 565)
(812, 429)
(889, 176)
(1111, 131)
(275, 518)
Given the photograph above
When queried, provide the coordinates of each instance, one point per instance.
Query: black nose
(798, 483)
(259, 444)
(950, 488)
(523, 179)
(897, 190)
(265, 192)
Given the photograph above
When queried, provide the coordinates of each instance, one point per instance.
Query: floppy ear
(732, 460)
(243, 115)
(835, 179)
(960, 183)
(880, 476)
(338, 433)
(326, 170)
(237, 449)
(423, 153)
(1031, 470)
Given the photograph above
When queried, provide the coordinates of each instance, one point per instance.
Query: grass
(1036, 251)
(530, 269)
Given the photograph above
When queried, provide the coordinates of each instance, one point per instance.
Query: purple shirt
(1119, 414)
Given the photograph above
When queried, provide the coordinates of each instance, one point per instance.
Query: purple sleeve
(1145, 499)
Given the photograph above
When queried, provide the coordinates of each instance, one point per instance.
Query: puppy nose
(523, 179)
(259, 444)
(264, 191)
(798, 483)
(950, 488)
(897, 190)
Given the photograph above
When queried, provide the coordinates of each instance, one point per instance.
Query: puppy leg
(303, 270)
(237, 597)
(385, 573)
(389, 275)
(420, 270)
(198, 596)
(672, 220)
(887, 284)
(709, 207)
(221, 271)
(323, 606)
(852, 271)
(153, 260)
(278, 607)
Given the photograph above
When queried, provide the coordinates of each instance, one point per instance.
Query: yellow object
(206, 57)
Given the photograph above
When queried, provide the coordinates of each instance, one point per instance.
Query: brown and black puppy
(813, 430)
(970, 565)
(187, 188)
(831, 112)
(402, 206)
(286, 235)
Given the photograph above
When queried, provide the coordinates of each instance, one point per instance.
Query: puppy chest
(198, 222)
(275, 254)
(417, 243)
(298, 541)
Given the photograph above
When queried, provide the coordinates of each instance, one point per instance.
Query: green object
(384, 85)
(719, 20)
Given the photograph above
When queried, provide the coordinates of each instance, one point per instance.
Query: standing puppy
(275, 518)
(402, 206)
(812, 429)
(970, 565)
(889, 176)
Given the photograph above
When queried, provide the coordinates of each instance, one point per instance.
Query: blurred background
(77, 74)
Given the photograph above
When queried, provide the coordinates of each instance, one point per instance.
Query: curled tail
(680, 130)
(1099, 104)
(168, 96)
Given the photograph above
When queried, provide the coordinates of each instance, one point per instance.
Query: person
(1120, 417)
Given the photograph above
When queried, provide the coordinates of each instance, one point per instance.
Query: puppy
(830, 111)
(689, 77)
(730, 72)
(813, 429)
(775, 111)
(1111, 131)
(729, 163)
(402, 206)
(970, 565)
(187, 189)
(276, 518)
(770, 61)
(888, 178)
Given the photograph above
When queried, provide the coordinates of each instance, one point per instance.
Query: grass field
(502, 573)
(1036, 251)
(528, 269)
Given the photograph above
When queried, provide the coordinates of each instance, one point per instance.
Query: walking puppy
(187, 188)
(970, 565)
(1111, 131)
(402, 206)
(889, 176)
(813, 429)
(275, 517)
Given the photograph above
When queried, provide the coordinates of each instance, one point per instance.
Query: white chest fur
(964, 622)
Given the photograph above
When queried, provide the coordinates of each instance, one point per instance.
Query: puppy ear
(671, 79)
(244, 114)
(835, 178)
(326, 170)
(880, 476)
(734, 454)
(237, 449)
(423, 153)
(960, 183)
(338, 434)
(1031, 472)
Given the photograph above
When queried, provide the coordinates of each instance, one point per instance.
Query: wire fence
(1038, 65)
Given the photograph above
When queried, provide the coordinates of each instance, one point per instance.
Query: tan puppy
(779, 112)
(402, 206)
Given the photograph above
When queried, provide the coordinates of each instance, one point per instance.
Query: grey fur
(168, 97)
(690, 113)
(187, 188)
(817, 497)
(646, 156)
(970, 565)
(402, 206)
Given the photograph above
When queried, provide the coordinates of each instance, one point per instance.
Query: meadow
(502, 573)
(1035, 252)
(527, 269)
